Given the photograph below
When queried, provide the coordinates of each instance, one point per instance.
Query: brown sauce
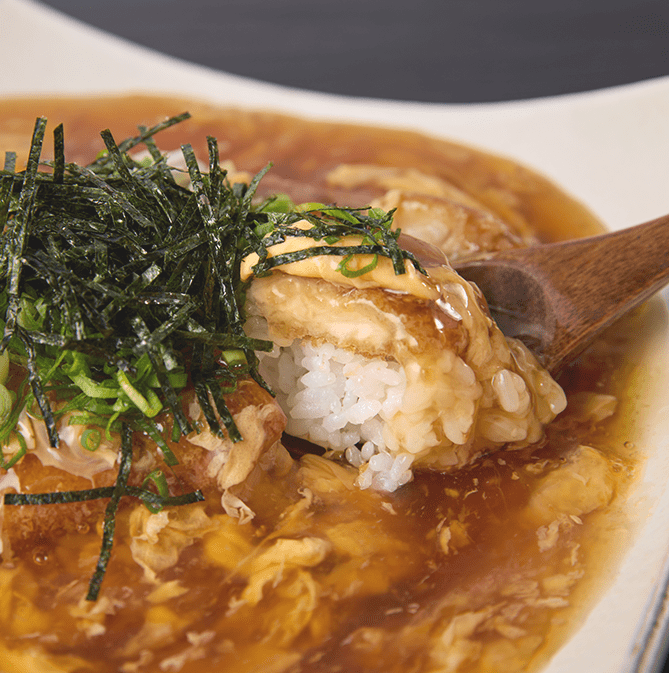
(448, 571)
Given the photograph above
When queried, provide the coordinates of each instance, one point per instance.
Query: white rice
(341, 401)
(381, 417)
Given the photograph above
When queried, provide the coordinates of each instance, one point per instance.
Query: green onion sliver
(91, 438)
(234, 358)
(4, 366)
(354, 273)
(6, 403)
(157, 477)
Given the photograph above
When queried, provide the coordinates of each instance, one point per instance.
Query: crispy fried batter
(204, 463)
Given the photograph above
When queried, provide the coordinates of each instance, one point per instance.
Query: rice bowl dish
(454, 517)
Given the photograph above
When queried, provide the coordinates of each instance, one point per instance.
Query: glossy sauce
(448, 571)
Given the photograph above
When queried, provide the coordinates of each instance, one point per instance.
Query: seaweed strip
(10, 162)
(139, 284)
(116, 197)
(166, 388)
(214, 230)
(217, 395)
(174, 322)
(58, 497)
(137, 186)
(7, 182)
(152, 431)
(38, 391)
(120, 488)
(227, 341)
(58, 154)
(151, 146)
(68, 497)
(19, 231)
(214, 172)
(202, 392)
(145, 134)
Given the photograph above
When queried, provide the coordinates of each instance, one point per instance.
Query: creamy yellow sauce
(381, 273)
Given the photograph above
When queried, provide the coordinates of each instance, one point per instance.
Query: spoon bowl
(558, 297)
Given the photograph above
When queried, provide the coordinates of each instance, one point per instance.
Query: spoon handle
(557, 297)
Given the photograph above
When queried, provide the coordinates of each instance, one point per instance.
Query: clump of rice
(341, 401)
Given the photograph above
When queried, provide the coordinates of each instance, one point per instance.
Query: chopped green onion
(91, 388)
(380, 214)
(333, 211)
(4, 366)
(30, 316)
(149, 405)
(157, 477)
(264, 229)
(280, 203)
(91, 439)
(92, 419)
(355, 273)
(23, 448)
(234, 358)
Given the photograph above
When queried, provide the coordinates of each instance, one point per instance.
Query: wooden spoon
(558, 297)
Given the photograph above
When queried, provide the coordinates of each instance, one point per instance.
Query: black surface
(448, 51)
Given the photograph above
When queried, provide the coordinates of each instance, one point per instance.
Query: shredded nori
(66, 497)
(119, 286)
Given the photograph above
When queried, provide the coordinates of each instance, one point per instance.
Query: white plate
(609, 148)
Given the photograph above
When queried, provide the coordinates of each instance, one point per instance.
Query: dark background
(440, 51)
(445, 51)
